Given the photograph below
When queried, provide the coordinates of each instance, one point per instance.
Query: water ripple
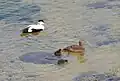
(16, 11)
(102, 35)
(105, 4)
(94, 76)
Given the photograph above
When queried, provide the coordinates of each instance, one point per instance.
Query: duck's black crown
(40, 20)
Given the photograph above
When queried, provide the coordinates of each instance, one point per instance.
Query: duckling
(58, 52)
(62, 61)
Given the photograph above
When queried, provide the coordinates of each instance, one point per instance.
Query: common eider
(34, 28)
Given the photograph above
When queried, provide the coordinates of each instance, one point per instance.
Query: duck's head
(41, 22)
(81, 42)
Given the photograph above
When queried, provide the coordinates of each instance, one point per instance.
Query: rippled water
(93, 76)
(67, 22)
(17, 12)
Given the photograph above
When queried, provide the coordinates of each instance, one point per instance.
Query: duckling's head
(66, 61)
(58, 52)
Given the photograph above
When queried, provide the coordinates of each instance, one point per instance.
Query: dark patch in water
(39, 58)
(113, 0)
(16, 0)
(106, 42)
(97, 5)
(101, 28)
(101, 35)
(93, 76)
(16, 11)
(1, 17)
(104, 4)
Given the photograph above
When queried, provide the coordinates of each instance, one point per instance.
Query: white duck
(34, 28)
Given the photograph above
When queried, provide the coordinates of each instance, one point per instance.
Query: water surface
(67, 22)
